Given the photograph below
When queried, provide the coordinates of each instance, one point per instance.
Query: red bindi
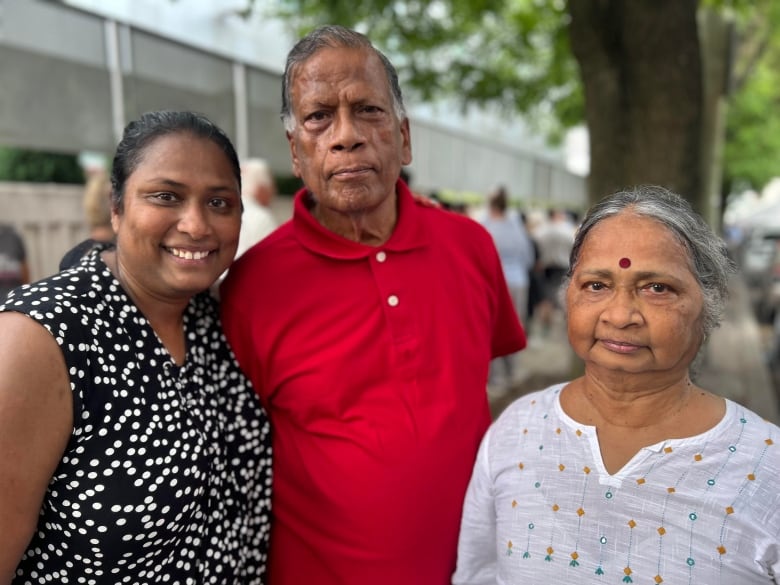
(624, 263)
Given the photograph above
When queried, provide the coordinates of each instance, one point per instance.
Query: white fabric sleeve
(477, 552)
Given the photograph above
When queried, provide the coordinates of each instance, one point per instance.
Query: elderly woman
(132, 448)
(631, 473)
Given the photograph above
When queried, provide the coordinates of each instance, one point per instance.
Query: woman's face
(634, 306)
(178, 229)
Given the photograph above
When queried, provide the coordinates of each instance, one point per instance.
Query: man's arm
(36, 419)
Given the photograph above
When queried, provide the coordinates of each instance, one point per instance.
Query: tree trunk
(642, 72)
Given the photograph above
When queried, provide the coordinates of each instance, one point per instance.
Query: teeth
(187, 255)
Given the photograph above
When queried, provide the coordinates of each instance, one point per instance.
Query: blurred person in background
(132, 447)
(258, 190)
(14, 268)
(516, 252)
(554, 239)
(367, 324)
(96, 203)
(97, 206)
(631, 473)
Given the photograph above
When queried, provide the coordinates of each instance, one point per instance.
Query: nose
(194, 221)
(346, 133)
(623, 310)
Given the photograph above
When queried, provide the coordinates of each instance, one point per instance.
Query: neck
(371, 227)
(165, 316)
(635, 405)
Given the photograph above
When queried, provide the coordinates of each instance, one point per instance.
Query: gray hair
(707, 253)
(334, 37)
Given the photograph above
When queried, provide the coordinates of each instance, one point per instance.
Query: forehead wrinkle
(634, 274)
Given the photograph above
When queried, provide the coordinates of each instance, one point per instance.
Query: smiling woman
(630, 472)
(132, 448)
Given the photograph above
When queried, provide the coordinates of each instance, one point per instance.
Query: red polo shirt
(372, 363)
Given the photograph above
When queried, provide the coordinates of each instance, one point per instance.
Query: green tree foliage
(517, 54)
(17, 164)
(752, 146)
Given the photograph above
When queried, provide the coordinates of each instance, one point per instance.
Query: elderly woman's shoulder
(539, 403)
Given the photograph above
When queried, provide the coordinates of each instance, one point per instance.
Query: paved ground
(733, 365)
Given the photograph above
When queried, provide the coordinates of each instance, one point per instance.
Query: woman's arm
(477, 549)
(36, 420)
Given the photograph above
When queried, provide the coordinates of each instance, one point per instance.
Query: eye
(164, 197)
(657, 287)
(595, 286)
(316, 119)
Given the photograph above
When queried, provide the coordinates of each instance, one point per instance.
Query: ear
(296, 164)
(115, 219)
(406, 143)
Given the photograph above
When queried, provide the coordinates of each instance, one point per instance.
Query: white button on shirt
(392, 300)
(381, 256)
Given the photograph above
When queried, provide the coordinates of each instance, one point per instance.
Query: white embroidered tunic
(541, 507)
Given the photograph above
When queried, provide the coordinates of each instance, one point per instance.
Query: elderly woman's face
(178, 230)
(634, 305)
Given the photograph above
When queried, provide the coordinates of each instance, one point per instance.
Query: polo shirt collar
(408, 234)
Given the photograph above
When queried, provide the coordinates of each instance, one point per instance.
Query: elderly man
(366, 324)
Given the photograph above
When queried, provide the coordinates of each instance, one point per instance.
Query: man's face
(347, 146)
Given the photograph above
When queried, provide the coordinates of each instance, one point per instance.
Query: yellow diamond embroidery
(658, 579)
(729, 510)
(509, 544)
(561, 467)
(697, 457)
(671, 490)
(514, 503)
(641, 480)
(722, 549)
(586, 470)
(751, 477)
(550, 550)
(555, 508)
(662, 531)
(579, 433)
(521, 466)
(631, 523)
(668, 449)
(580, 512)
(627, 570)
(574, 555)
(769, 442)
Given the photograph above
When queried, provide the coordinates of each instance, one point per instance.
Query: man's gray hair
(333, 37)
(707, 253)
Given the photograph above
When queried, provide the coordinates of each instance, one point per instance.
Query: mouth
(620, 346)
(348, 172)
(188, 254)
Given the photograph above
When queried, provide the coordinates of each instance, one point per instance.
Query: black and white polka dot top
(167, 475)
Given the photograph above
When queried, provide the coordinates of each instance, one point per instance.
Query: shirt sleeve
(477, 549)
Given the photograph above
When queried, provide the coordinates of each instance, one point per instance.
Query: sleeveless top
(167, 474)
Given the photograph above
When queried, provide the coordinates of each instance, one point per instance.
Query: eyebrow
(178, 185)
(642, 275)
